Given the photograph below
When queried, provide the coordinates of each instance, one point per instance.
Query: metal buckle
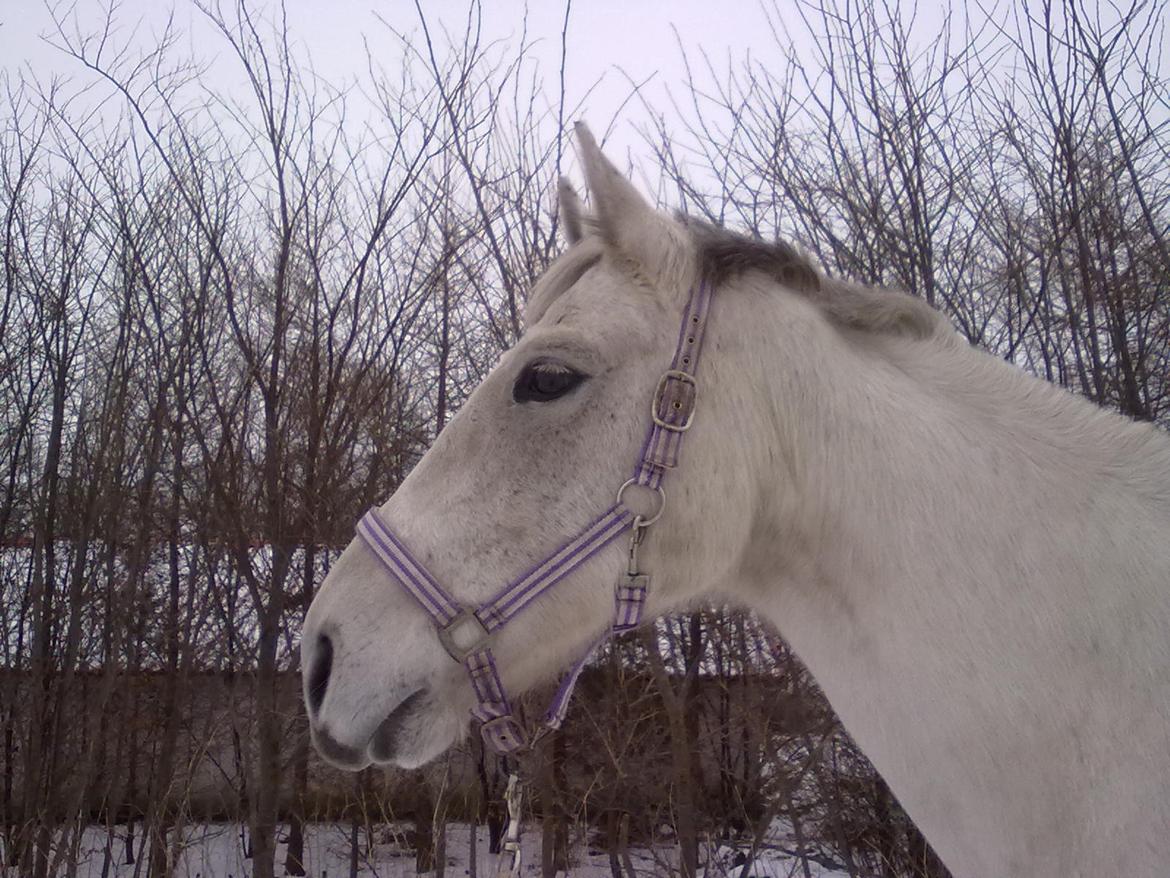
(660, 393)
(504, 734)
(448, 632)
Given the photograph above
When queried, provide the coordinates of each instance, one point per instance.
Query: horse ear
(651, 240)
(572, 211)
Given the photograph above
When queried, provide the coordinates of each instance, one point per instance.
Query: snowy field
(216, 851)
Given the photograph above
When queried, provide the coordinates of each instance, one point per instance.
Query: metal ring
(644, 522)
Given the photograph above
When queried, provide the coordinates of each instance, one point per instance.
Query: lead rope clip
(630, 593)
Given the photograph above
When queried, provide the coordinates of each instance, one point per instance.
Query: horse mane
(725, 255)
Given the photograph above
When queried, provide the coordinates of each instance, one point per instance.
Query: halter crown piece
(466, 632)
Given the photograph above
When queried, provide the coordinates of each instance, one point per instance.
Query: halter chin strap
(466, 632)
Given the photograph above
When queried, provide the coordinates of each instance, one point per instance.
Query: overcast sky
(611, 41)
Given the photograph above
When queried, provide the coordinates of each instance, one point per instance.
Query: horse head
(539, 449)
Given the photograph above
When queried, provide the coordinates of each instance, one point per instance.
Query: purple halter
(466, 632)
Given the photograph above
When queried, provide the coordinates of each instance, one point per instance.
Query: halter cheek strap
(466, 632)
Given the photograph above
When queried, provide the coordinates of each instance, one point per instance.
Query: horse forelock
(724, 255)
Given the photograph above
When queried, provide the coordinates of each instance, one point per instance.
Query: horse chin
(422, 750)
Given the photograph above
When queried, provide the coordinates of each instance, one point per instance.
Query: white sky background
(610, 42)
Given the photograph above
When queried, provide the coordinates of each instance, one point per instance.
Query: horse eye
(544, 381)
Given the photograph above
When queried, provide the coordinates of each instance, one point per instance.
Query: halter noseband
(466, 632)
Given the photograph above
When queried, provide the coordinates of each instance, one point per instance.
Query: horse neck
(925, 478)
(959, 552)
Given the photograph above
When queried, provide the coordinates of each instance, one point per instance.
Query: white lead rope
(514, 797)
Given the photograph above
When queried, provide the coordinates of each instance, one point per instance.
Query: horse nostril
(319, 672)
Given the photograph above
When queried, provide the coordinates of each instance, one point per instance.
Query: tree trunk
(613, 842)
(684, 769)
(424, 832)
(554, 843)
(267, 787)
(294, 860)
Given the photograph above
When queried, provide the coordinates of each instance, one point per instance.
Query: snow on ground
(215, 850)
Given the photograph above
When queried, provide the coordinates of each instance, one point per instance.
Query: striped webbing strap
(466, 632)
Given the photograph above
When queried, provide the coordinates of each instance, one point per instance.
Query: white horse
(974, 564)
